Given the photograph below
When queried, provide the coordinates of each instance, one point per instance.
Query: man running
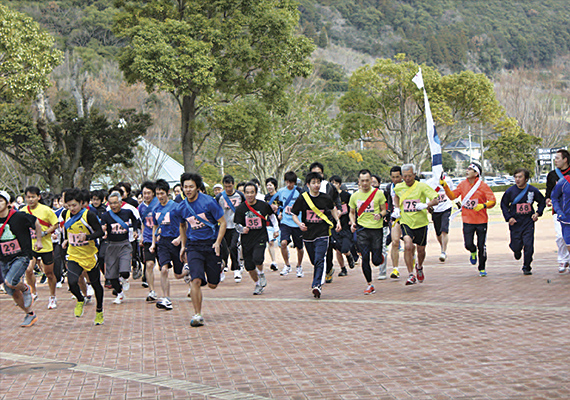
(367, 210)
(476, 198)
(318, 214)
(518, 210)
(440, 215)
(562, 164)
(410, 198)
(561, 206)
(229, 199)
(44, 257)
(395, 230)
(16, 250)
(81, 229)
(251, 221)
(166, 241)
(146, 209)
(273, 201)
(200, 238)
(288, 228)
(342, 241)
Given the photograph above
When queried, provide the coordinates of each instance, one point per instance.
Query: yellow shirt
(84, 252)
(409, 196)
(45, 214)
(366, 219)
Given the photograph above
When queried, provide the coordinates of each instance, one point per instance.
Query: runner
(288, 229)
(367, 210)
(562, 163)
(166, 242)
(411, 197)
(476, 198)
(99, 207)
(126, 194)
(318, 214)
(395, 230)
(146, 209)
(44, 257)
(229, 199)
(201, 238)
(217, 189)
(561, 206)
(440, 215)
(342, 241)
(81, 228)
(251, 220)
(118, 223)
(271, 198)
(259, 195)
(375, 183)
(518, 211)
(16, 250)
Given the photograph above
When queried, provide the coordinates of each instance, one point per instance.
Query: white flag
(418, 79)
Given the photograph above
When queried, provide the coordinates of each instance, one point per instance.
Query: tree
(207, 53)
(27, 56)
(384, 104)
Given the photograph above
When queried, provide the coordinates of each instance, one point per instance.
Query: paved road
(456, 336)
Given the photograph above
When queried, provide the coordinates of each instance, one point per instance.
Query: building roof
(462, 144)
(161, 164)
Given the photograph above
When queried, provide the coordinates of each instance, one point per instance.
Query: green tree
(27, 56)
(208, 53)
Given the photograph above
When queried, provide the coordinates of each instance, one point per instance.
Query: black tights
(74, 271)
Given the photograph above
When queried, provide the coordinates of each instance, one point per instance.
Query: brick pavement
(456, 336)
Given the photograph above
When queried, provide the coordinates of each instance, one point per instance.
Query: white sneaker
(285, 271)
(58, 285)
(90, 291)
(300, 273)
(52, 303)
(237, 276)
(382, 277)
(442, 256)
(189, 292)
(222, 276)
(119, 299)
(125, 283)
(562, 268)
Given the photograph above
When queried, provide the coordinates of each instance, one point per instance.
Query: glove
(442, 182)
(396, 213)
(421, 206)
(479, 207)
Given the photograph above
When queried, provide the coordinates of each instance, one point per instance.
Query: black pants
(522, 237)
(74, 271)
(370, 244)
(469, 231)
(231, 236)
(329, 257)
(57, 262)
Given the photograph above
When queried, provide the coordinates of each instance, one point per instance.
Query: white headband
(474, 168)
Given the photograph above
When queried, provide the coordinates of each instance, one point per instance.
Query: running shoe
(222, 276)
(187, 277)
(58, 285)
(151, 296)
(125, 284)
(562, 268)
(164, 304)
(329, 276)
(343, 272)
(52, 303)
(197, 320)
(237, 276)
(119, 299)
(317, 292)
(189, 294)
(482, 273)
(527, 271)
(86, 299)
(258, 289)
(285, 271)
(473, 258)
(411, 280)
(144, 285)
(43, 278)
(79, 309)
(273, 267)
(350, 261)
(90, 291)
(442, 256)
(99, 320)
(300, 272)
(262, 280)
(420, 273)
(382, 276)
(395, 274)
(29, 320)
(369, 290)
(34, 296)
(28, 298)
(109, 286)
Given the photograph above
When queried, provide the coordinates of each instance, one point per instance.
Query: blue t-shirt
(169, 224)
(146, 218)
(206, 208)
(282, 195)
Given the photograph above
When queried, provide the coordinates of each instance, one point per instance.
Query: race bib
(312, 217)
(410, 205)
(33, 234)
(253, 222)
(74, 240)
(344, 209)
(235, 202)
(166, 219)
(149, 222)
(195, 223)
(441, 198)
(470, 204)
(369, 209)
(288, 210)
(523, 208)
(117, 229)
(11, 247)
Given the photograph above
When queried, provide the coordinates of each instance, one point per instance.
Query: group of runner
(202, 237)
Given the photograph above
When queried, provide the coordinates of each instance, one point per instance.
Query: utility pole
(470, 148)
